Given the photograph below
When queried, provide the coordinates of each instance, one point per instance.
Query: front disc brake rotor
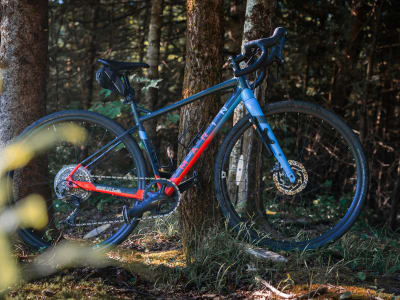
(283, 184)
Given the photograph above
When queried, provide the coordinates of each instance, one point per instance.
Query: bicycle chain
(137, 219)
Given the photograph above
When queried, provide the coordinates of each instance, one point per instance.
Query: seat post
(145, 141)
(131, 92)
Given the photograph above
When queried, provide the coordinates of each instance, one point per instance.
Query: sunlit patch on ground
(170, 258)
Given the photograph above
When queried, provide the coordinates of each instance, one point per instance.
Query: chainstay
(115, 221)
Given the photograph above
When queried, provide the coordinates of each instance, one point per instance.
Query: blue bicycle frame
(245, 94)
(242, 93)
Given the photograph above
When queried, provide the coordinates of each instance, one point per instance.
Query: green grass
(364, 261)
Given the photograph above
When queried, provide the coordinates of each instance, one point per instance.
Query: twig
(274, 290)
(311, 294)
(266, 295)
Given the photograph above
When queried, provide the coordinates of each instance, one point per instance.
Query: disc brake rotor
(283, 184)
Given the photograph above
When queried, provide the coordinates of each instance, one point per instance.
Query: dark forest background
(341, 54)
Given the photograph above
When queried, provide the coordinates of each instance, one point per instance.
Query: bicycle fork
(267, 136)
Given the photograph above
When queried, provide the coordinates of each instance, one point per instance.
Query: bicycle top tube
(231, 83)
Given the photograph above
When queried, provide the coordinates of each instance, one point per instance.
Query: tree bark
(143, 28)
(153, 59)
(23, 65)
(204, 44)
(344, 74)
(89, 61)
(395, 201)
(258, 24)
(364, 124)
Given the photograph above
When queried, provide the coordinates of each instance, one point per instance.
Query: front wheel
(331, 178)
(77, 214)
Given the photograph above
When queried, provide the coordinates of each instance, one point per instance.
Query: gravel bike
(290, 175)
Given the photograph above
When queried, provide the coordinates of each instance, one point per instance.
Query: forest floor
(364, 264)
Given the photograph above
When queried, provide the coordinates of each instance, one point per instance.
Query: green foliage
(172, 118)
(146, 82)
(110, 109)
(105, 92)
(362, 276)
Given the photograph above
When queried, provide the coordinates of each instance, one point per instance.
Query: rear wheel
(98, 218)
(331, 178)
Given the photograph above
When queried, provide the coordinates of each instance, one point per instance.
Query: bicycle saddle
(121, 66)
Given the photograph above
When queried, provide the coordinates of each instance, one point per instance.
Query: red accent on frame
(194, 159)
(69, 178)
(178, 179)
(88, 186)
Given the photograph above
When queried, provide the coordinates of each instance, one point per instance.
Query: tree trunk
(89, 61)
(258, 24)
(23, 63)
(395, 201)
(153, 59)
(364, 124)
(143, 29)
(344, 74)
(166, 43)
(204, 44)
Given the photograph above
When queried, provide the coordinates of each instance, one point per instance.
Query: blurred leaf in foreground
(68, 254)
(19, 153)
(32, 212)
(9, 271)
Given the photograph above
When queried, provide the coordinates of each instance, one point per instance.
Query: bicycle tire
(322, 148)
(100, 131)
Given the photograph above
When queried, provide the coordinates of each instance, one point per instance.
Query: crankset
(155, 200)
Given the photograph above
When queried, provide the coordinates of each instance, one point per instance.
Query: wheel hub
(283, 184)
(63, 190)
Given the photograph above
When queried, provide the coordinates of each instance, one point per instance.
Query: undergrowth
(222, 262)
(363, 258)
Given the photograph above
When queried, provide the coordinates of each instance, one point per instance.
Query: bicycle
(302, 197)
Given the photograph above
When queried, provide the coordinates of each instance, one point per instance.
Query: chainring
(167, 206)
(283, 184)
